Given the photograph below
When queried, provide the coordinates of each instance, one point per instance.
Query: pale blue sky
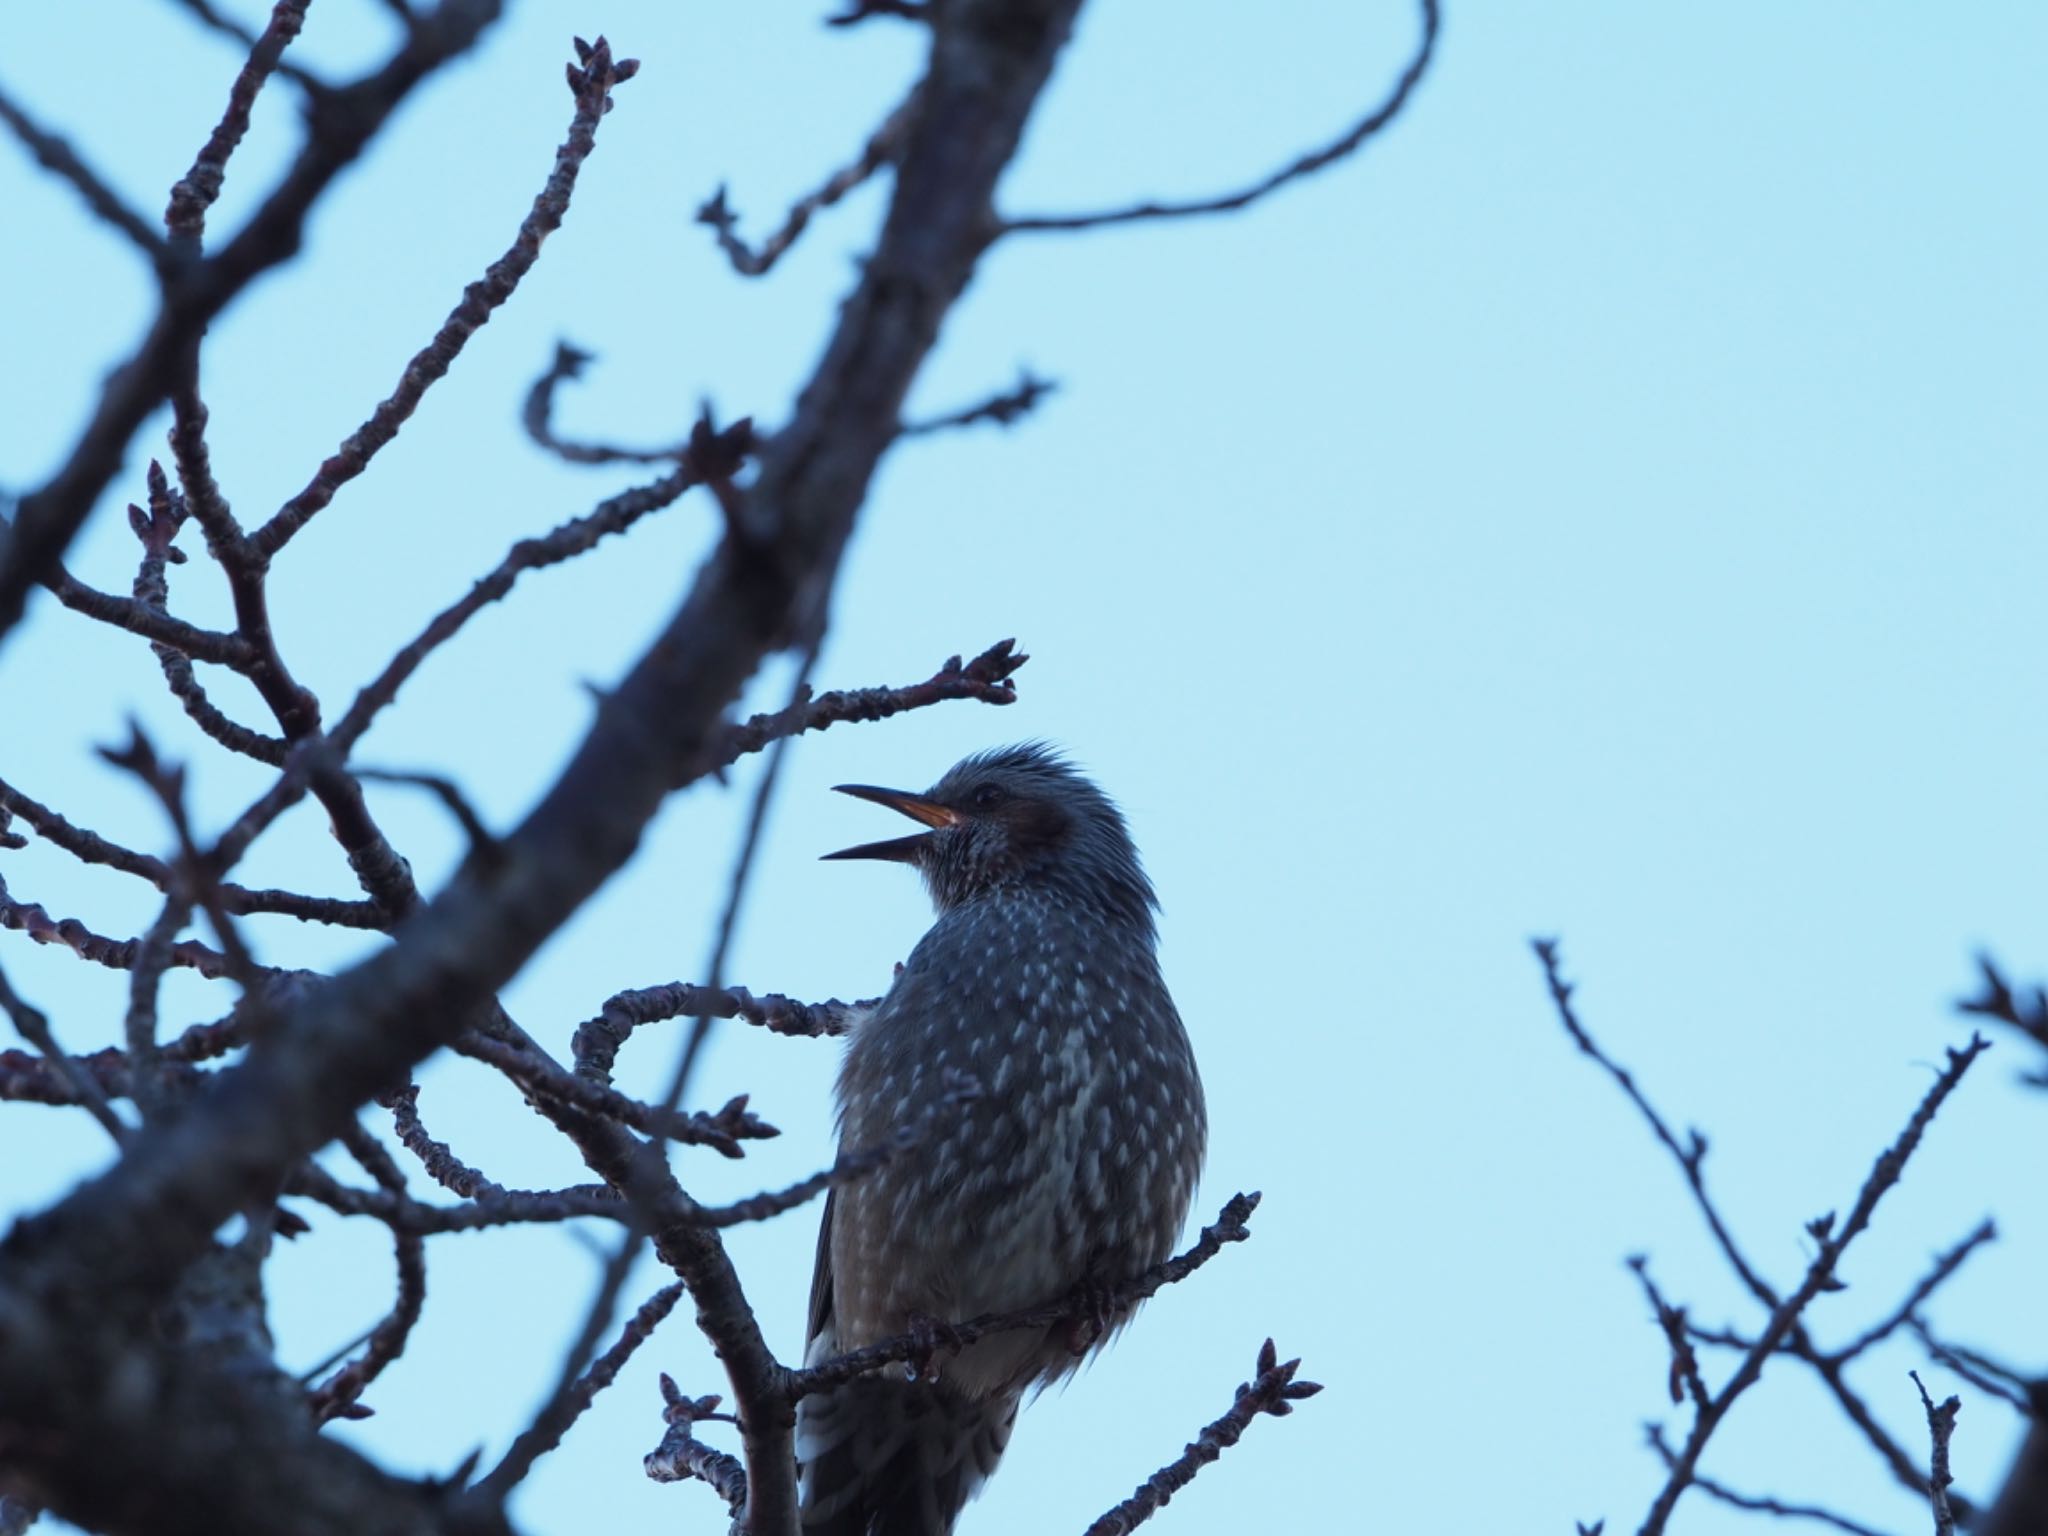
(1613, 505)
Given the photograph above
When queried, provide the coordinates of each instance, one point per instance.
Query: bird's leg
(1091, 1312)
(928, 1336)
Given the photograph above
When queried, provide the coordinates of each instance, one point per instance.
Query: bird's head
(1014, 817)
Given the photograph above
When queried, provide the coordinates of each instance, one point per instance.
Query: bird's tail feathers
(896, 1458)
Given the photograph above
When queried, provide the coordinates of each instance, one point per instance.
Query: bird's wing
(821, 1280)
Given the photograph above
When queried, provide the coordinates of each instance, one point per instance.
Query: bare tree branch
(1272, 1390)
(195, 293)
(1941, 1428)
(1229, 202)
(749, 261)
(57, 157)
(591, 84)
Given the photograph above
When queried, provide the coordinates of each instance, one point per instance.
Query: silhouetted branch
(115, 954)
(858, 11)
(1685, 1366)
(1941, 1428)
(988, 679)
(337, 1396)
(1244, 197)
(597, 1041)
(547, 1429)
(196, 291)
(538, 419)
(1785, 1320)
(1272, 1390)
(1945, 1265)
(2025, 1010)
(34, 1027)
(1230, 1226)
(592, 85)
(196, 190)
(1754, 1503)
(751, 261)
(681, 1455)
(57, 157)
(1005, 409)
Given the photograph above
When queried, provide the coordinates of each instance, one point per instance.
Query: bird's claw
(1091, 1313)
(928, 1336)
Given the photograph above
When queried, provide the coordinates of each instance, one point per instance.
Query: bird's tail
(896, 1458)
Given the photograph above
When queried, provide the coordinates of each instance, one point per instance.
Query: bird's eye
(988, 795)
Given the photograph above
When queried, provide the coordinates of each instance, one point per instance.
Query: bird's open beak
(903, 850)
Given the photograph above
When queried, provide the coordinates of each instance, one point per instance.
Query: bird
(1069, 1172)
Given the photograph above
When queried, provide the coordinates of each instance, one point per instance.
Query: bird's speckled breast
(1079, 1158)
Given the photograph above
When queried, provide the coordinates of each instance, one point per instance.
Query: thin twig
(34, 1027)
(681, 1455)
(197, 189)
(1945, 1265)
(592, 85)
(1685, 1377)
(1272, 1390)
(337, 1397)
(577, 1393)
(1231, 1226)
(1941, 1428)
(538, 418)
(57, 157)
(1832, 1240)
(597, 1041)
(722, 1130)
(755, 261)
(1244, 197)
(1756, 1504)
(1005, 409)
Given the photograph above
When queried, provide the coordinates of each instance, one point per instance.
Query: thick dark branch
(1273, 1390)
(592, 85)
(1307, 165)
(751, 261)
(128, 1233)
